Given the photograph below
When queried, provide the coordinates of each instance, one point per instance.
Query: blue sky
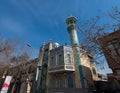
(38, 21)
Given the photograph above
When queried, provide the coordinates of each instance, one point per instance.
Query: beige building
(61, 74)
(87, 60)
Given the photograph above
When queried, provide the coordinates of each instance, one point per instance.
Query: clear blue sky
(38, 21)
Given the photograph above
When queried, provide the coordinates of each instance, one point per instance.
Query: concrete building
(59, 73)
(111, 48)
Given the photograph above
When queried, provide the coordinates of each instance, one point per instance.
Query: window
(70, 82)
(114, 48)
(52, 61)
(62, 82)
(53, 82)
(56, 62)
(57, 83)
(60, 59)
(65, 82)
(94, 71)
(68, 58)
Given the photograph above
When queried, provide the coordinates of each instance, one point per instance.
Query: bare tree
(115, 14)
(12, 53)
(92, 31)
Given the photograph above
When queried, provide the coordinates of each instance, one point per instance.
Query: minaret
(72, 30)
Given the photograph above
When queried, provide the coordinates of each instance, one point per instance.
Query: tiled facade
(62, 71)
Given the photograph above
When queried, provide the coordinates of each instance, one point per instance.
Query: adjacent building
(111, 48)
(22, 76)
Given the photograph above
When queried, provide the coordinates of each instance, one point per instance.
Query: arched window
(60, 59)
(68, 58)
(70, 82)
(94, 71)
(52, 61)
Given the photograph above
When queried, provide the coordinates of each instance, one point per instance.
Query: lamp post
(38, 74)
(28, 76)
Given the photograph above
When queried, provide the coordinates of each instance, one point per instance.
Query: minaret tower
(72, 30)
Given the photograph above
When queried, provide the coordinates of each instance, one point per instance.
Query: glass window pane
(68, 58)
(70, 82)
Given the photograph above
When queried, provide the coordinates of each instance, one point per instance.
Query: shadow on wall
(88, 79)
(106, 87)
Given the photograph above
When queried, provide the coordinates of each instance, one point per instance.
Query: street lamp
(28, 44)
(28, 76)
(2, 49)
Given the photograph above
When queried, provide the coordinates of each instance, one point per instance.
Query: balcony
(61, 68)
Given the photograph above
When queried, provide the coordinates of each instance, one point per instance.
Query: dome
(56, 44)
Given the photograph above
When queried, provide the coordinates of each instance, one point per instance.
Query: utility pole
(72, 30)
